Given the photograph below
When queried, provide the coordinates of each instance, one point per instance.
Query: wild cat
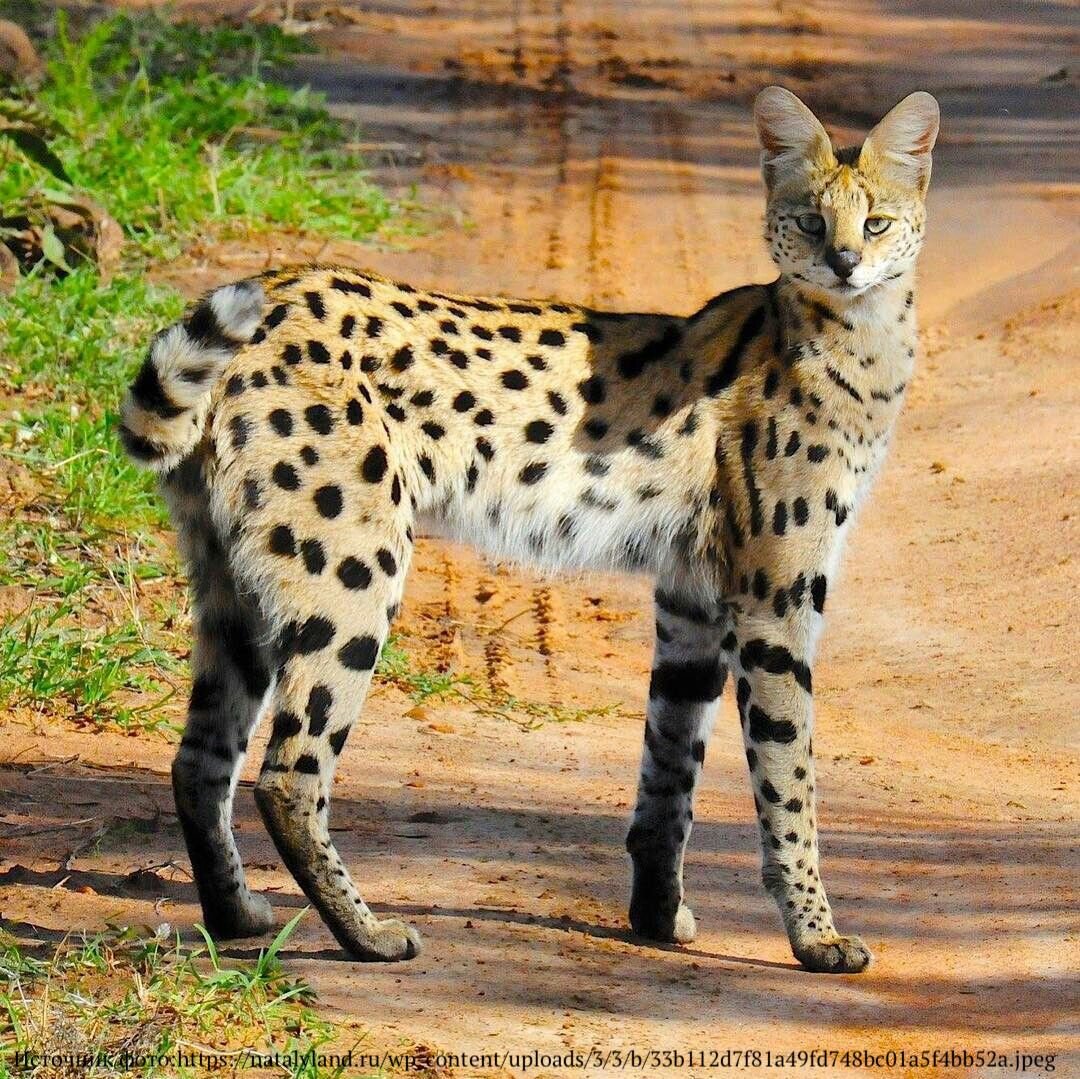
(304, 423)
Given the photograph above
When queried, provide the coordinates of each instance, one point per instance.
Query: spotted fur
(306, 422)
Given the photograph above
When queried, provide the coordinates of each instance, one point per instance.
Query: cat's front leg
(770, 660)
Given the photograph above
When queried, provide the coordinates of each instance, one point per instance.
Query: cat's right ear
(790, 134)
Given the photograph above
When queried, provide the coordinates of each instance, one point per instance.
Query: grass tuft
(396, 667)
(168, 143)
(148, 996)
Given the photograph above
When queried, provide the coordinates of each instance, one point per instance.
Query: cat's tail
(163, 414)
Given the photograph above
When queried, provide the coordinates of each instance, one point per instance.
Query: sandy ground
(603, 152)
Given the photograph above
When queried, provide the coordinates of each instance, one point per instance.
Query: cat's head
(843, 221)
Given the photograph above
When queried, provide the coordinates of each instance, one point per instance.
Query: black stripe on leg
(763, 728)
(235, 638)
(682, 683)
(691, 612)
(774, 659)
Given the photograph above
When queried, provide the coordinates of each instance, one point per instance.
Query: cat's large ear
(899, 147)
(790, 134)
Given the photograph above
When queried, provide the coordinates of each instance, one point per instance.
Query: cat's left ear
(900, 145)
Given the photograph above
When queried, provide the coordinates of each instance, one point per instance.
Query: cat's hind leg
(231, 671)
(326, 657)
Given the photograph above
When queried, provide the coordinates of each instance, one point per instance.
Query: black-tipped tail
(162, 418)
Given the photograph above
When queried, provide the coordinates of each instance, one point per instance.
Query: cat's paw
(838, 955)
(656, 922)
(249, 915)
(387, 941)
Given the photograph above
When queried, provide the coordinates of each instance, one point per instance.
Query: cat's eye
(875, 226)
(811, 224)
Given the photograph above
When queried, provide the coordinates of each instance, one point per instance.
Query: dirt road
(603, 152)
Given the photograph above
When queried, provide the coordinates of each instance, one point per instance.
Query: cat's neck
(852, 359)
(879, 311)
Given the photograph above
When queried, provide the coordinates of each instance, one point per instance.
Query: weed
(148, 996)
(46, 659)
(395, 667)
(168, 144)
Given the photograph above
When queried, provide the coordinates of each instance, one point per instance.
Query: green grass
(396, 666)
(423, 686)
(77, 341)
(147, 994)
(169, 144)
(46, 658)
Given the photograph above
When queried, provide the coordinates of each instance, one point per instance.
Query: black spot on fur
(285, 476)
(353, 573)
(328, 501)
(593, 390)
(314, 556)
(532, 473)
(319, 702)
(239, 430)
(342, 284)
(319, 419)
(282, 541)
(374, 467)
(281, 421)
(359, 653)
(538, 431)
(304, 638)
(286, 725)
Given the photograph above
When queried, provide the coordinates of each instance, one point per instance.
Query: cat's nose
(843, 261)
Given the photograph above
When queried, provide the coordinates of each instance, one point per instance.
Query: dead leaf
(9, 269)
(18, 57)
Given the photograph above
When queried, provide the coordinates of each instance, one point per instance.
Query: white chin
(848, 288)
